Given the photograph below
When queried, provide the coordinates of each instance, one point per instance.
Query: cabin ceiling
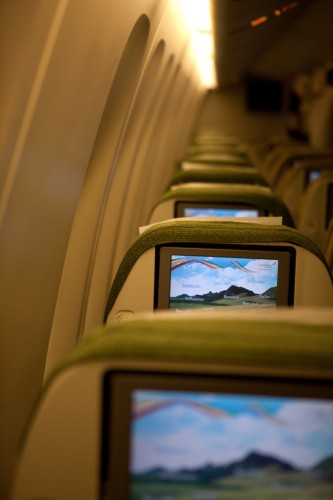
(296, 41)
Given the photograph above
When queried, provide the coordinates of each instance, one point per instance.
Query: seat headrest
(259, 196)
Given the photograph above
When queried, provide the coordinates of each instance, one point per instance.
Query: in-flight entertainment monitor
(208, 209)
(222, 278)
(329, 204)
(312, 175)
(184, 436)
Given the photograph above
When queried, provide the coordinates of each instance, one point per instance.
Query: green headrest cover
(218, 159)
(224, 175)
(264, 346)
(251, 346)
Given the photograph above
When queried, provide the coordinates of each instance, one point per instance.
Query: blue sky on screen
(179, 434)
(257, 275)
(219, 212)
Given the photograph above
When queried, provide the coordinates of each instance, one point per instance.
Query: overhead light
(197, 14)
(290, 6)
(263, 19)
(197, 17)
(258, 21)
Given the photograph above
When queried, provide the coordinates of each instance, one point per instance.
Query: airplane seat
(221, 149)
(328, 247)
(223, 174)
(285, 158)
(143, 279)
(259, 148)
(315, 209)
(215, 137)
(218, 158)
(203, 148)
(248, 196)
(320, 119)
(295, 180)
(86, 423)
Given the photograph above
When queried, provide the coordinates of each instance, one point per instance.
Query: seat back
(228, 158)
(315, 209)
(233, 149)
(255, 196)
(89, 419)
(136, 284)
(191, 172)
(328, 247)
(216, 138)
(260, 149)
(320, 119)
(294, 181)
(289, 158)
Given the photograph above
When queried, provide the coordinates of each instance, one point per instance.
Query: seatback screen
(329, 205)
(203, 440)
(220, 280)
(311, 176)
(211, 445)
(192, 209)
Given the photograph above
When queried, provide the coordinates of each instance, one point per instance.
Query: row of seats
(184, 219)
(210, 322)
(299, 175)
(302, 176)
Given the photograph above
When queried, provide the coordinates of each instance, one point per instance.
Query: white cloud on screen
(200, 279)
(195, 439)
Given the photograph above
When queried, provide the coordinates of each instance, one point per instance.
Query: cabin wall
(96, 96)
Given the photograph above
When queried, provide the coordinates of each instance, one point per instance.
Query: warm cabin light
(206, 68)
(291, 5)
(197, 16)
(258, 21)
(262, 19)
(203, 44)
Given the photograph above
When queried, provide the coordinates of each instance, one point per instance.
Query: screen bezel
(284, 254)
(309, 172)
(116, 409)
(329, 205)
(180, 207)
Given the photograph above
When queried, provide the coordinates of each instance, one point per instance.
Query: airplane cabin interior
(166, 256)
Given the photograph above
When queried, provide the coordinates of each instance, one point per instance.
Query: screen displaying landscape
(219, 212)
(220, 446)
(329, 204)
(202, 282)
(313, 175)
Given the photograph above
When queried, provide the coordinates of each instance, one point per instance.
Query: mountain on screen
(233, 292)
(251, 465)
